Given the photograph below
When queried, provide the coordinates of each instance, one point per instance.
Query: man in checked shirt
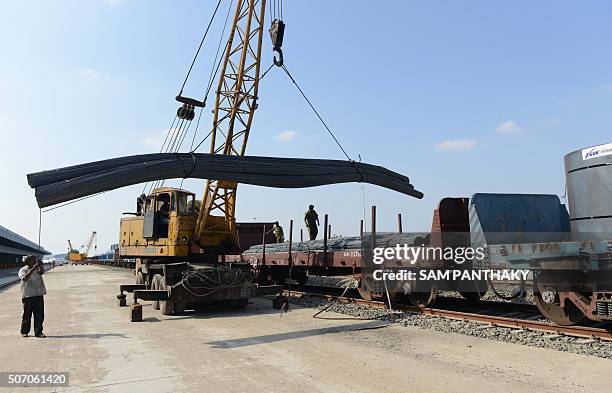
(32, 292)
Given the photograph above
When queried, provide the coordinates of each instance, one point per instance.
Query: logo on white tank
(597, 151)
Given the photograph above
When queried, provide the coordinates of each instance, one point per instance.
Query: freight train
(568, 254)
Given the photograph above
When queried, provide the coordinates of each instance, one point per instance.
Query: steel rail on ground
(493, 320)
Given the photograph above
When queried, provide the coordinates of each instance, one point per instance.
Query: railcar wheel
(379, 295)
(478, 290)
(372, 295)
(300, 276)
(365, 295)
(424, 295)
(564, 316)
(547, 301)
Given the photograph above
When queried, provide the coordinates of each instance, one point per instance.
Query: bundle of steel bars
(341, 243)
(65, 184)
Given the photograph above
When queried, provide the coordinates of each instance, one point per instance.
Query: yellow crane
(75, 256)
(177, 241)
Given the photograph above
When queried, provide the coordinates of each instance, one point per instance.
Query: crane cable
(171, 129)
(284, 67)
(314, 109)
(213, 75)
(214, 69)
(200, 46)
(276, 9)
(176, 135)
(193, 149)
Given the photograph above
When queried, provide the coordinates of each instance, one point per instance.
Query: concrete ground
(257, 350)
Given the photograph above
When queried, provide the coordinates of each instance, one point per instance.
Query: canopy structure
(65, 184)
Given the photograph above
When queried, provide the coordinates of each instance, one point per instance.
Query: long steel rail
(493, 320)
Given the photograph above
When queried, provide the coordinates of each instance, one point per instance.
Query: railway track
(497, 314)
(507, 315)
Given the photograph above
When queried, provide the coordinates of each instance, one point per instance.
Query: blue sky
(462, 97)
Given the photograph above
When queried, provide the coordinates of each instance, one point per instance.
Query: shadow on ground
(91, 335)
(269, 338)
(224, 311)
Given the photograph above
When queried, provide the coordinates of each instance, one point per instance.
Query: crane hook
(277, 33)
(278, 61)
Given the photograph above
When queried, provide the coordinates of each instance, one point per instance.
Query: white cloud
(461, 145)
(509, 127)
(286, 136)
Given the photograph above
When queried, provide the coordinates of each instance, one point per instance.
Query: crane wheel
(155, 285)
(166, 306)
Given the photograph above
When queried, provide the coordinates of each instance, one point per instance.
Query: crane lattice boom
(235, 104)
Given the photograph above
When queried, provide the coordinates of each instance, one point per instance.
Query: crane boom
(89, 243)
(235, 104)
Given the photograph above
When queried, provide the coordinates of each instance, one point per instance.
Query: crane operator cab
(162, 207)
(164, 226)
(157, 215)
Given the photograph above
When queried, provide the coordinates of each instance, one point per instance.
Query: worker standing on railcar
(278, 232)
(311, 218)
(32, 296)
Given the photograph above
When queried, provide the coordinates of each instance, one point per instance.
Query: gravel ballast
(591, 347)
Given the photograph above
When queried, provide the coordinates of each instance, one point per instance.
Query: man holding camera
(32, 292)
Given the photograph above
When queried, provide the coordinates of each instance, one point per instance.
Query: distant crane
(75, 256)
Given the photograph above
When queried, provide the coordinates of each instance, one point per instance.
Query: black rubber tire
(155, 284)
(166, 306)
(179, 308)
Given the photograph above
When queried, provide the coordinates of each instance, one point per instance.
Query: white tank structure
(588, 174)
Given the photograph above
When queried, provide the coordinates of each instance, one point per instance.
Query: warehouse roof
(12, 243)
